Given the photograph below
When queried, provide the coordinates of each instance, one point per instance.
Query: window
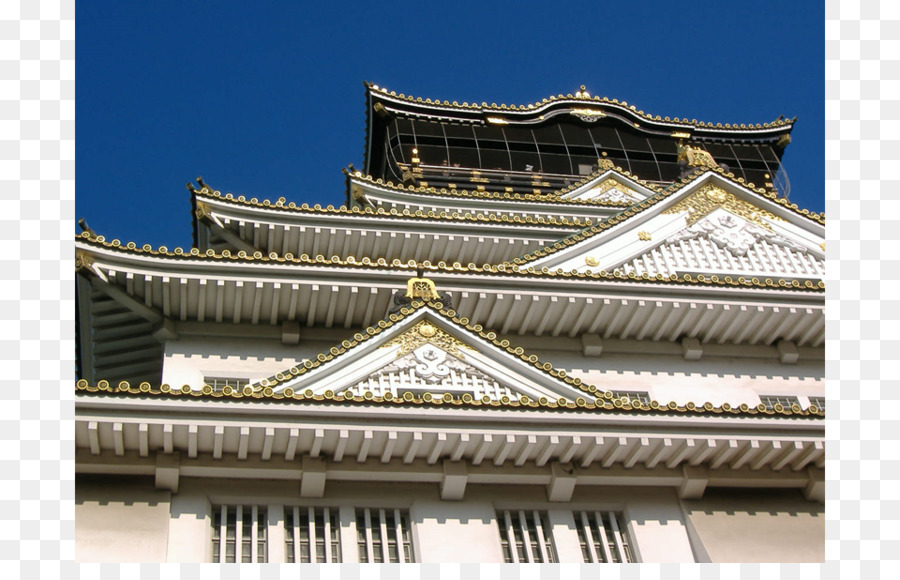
(239, 529)
(642, 396)
(312, 534)
(771, 400)
(383, 535)
(603, 537)
(818, 402)
(525, 537)
(219, 383)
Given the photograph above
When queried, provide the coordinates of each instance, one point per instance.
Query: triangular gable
(426, 351)
(712, 226)
(610, 187)
(724, 243)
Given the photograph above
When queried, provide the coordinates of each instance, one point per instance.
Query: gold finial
(83, 260)
(203, 211)
(421, 288)
(583, 93)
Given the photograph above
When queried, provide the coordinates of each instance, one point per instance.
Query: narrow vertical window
(383, 535)
(311, 534)
(239, 534)
(603, 537)
(525, 536)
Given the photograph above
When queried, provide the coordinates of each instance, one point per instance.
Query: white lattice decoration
(609, 191)
(430, 369)
(765, 257)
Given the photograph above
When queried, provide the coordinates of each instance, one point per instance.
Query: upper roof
(546, 146)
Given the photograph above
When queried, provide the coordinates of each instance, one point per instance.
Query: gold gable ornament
(425, 332)
(709, 198)
(422, 288)
(696, 157)
(605, 163)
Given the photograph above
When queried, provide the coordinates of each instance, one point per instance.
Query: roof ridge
(580, 97)
(380, 212)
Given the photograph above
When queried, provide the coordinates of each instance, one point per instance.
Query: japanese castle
(570, 331)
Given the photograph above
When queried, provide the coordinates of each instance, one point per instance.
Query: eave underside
(202, 443)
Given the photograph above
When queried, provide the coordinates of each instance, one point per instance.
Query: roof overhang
(324, 292)
(170, 438)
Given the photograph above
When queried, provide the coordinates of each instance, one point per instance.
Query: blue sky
(266, 99)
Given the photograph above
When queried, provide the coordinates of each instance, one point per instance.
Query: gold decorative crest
(425, 332)
(644, 236)
(710, 197)
(421, 288)
(605, 163)
(591, 261)
(588, 115)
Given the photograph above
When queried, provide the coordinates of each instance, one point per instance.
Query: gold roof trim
(581, 99)
(355, 211)
(514, 268)
(605, 400)
(552, 197)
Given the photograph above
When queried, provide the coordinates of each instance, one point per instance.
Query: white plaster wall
(120, 519)
(190, 526)
(188, 359)
(455, 531)
(757, 526)
(658, 368)
(443, 531)
(672, 378)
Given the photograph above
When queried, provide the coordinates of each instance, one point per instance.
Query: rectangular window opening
(642, 396)
(525, 537)
(239, 531)
(603, 537)
(383, 536)
(312, 534)
(818, 402)
(785, 401)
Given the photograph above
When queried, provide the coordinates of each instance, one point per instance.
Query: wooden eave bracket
(229, 236)
(163, 328)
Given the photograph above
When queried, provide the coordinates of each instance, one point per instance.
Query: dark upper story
(549, 145)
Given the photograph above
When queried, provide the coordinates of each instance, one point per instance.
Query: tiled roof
(606, 402)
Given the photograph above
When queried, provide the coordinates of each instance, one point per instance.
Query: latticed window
(818, 402)
(603, 537)
(525, 536)
(642, 396)
(312, 534)
(785, 401)
(219, 383)
(239, 533)
(383, 535)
